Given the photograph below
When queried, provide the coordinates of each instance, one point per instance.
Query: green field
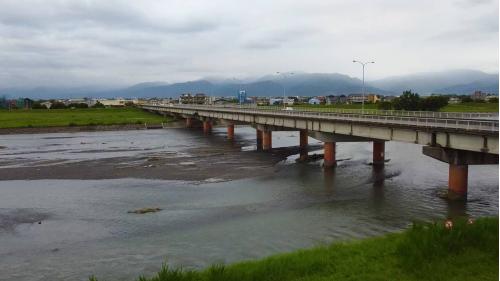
(77, 117)
(423, 252)
(471, 107)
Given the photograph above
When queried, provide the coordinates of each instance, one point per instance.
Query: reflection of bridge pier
(460, 139)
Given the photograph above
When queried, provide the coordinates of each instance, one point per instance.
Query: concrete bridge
(459, 139)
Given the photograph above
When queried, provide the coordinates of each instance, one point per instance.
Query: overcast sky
(106, 42)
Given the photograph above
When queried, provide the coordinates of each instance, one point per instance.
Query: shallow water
(85, 228)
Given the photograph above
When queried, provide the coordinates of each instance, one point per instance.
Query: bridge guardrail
(433, 114)
(427, 122)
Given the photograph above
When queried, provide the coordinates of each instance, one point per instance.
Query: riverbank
(78, 119)
(466, 251)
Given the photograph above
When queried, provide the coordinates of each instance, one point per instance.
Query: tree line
(413, 102)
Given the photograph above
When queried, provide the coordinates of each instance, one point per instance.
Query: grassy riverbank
(471, 107)
(38, 118)
(423, 252)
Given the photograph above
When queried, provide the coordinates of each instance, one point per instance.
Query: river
(64, 228)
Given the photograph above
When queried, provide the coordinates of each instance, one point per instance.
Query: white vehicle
(288, 108)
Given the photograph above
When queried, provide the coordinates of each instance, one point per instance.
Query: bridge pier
(207, 127)
(303, 144)
(378, 153)
(329, 158)
(189, 122)
(457, 180)
(459, 161)
(267, 140)
(259, 139)
(230, 131)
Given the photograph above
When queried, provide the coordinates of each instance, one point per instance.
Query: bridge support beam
(303, 144)
(207, 127)
(459, 161)
(259, 139)
(189, 122)
(230, 131)
(378, 153)
(267, 140)
(329, 158)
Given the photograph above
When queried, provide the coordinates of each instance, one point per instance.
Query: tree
(433, 103)
(57, 105)
(384, 105)
(98, 105)
(465, 99)
(407, 101)
(493, 100)
(78, 105)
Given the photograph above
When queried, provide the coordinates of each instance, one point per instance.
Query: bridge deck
(465, 122)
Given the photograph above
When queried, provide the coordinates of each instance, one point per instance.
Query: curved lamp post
(283, 85)
(363, 99)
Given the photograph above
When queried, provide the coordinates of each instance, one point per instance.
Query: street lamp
(283, 85)
(363, 99)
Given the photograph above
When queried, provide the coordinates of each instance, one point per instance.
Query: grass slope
(471, 107)
(76, 117)
(423, 252)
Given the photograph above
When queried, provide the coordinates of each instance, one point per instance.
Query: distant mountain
(298, 84)
(489, 85)
(446, 82)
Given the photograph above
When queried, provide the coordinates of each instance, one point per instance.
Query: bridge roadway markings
(447, 137)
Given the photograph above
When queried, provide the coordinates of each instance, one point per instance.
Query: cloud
(113, 42)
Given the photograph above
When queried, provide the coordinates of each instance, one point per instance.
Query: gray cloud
(95, 42)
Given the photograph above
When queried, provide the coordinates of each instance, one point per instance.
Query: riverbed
(65, 198)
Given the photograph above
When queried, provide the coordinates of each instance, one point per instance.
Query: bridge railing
(426, 122)
(433, 114)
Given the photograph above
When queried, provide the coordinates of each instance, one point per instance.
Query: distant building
(489, 97)
(200, 98)
(186, 98)
(262, 100)
(478, 95)
(331, 99)
(314, 101)
(275, 101)
(454, 100)
(47, 104)
(112, 102)
(373, 98)
(356, 98)
(242, 96)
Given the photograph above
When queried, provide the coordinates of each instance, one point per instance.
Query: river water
(85, 229)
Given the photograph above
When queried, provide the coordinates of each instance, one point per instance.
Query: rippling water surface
(85, 228)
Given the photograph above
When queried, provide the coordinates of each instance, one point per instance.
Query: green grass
(423, 252)
(471, 107)
(76, 117)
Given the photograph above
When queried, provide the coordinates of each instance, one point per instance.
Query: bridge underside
(450, 146)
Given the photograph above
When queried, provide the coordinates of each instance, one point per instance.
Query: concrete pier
(189, 122)
(259, 139)
(329, 158)
(457, 181)
(303, 144)
(378, 152)
(267, 140)
(207, 126)
(230, 131)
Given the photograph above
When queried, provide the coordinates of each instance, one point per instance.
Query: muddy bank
(75, 129)
(202, 164)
